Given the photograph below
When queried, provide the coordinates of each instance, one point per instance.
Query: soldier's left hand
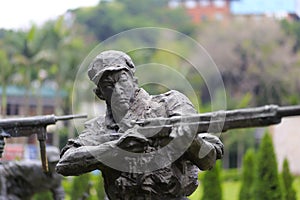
(214, 140)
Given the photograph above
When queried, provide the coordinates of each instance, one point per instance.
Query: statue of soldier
(113, 74)
(20, 180)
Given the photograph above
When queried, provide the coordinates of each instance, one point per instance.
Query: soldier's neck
(118, 114)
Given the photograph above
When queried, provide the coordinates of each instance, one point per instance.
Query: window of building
(190, 3)
(204, 3)
(219, 3)
(12, 109)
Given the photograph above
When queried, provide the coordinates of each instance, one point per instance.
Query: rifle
(26, 126)
(219, 121)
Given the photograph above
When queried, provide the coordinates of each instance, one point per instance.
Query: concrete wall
(286, 139)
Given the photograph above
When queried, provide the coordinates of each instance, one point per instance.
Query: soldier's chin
(121, 107)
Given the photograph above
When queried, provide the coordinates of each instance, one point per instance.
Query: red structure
(204, 10)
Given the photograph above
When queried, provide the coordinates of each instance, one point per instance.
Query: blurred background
(254, 43)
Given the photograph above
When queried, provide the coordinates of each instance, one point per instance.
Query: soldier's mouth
(123, 100)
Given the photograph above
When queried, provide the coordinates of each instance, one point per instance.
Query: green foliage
(108, 19)
(292, 28)
(232, 174)
(81, 187)
(212, 188)
(43, 196)
(253, 64)
(246, 191)
(266, 182)
(287, 180)
(99, 186)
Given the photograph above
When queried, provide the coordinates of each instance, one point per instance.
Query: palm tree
(22, 47)
(62, 51)
(6, 71)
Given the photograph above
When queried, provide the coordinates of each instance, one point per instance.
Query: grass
(231, 186)
(231, 190)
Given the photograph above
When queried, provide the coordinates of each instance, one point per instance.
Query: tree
(287, 180)
(43, 195)
(6, 70)
(100, 188)
(212, 188)
(246, 191)
(21, 48)
(81, 187)
(266, 67)
(62, 50)
(110, 18)
(266, 182)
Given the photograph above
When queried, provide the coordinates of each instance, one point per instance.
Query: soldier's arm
(84, 153)
(76, 160)
(204, 149)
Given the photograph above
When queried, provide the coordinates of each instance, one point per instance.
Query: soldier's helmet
(53, 154)
(110, 60)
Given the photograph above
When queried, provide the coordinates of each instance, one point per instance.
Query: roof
(45, 91)
(264, 6)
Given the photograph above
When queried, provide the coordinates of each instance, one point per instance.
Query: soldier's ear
(98, 93)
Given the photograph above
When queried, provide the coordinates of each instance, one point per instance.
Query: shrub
(81, 187)
(246, 191)
(287, 180)
(266, 182)
(212, 188)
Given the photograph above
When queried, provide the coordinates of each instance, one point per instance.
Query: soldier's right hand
(133, 142)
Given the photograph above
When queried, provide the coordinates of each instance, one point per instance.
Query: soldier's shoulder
(94, 122)
(173, 96)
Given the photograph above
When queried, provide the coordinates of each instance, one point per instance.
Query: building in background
(204, 10)
(220, 10)
(286, 143)
(20, 103)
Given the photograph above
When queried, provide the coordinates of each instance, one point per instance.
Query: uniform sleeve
(86, 153)
(93, 135)
(204, 149)
(178, 104)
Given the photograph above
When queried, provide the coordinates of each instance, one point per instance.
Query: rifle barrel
(221, 121)
(289, 111)
(68, 117)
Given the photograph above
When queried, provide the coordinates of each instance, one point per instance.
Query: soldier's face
(117, 88)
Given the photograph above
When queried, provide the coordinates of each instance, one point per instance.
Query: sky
(19, 14)
(263, 6)
(16, 14)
